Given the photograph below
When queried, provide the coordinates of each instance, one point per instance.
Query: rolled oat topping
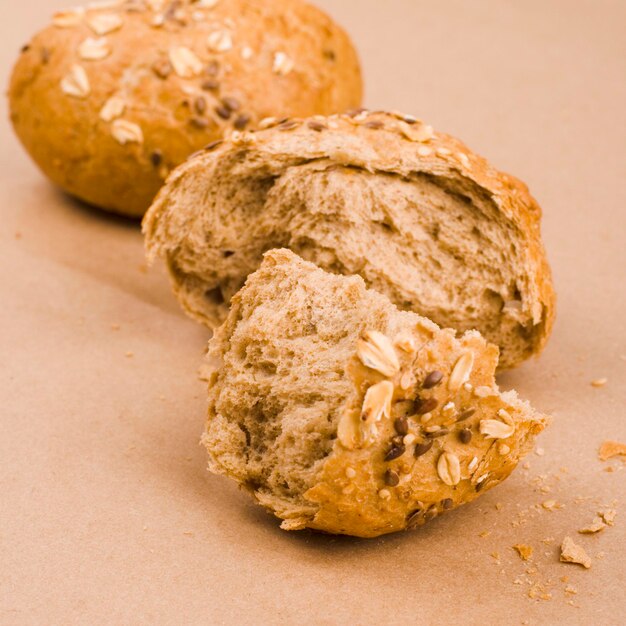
(125, 132)
(76, 83)
(461, 371)
(185, 62)
(449, 468)
(376, 352)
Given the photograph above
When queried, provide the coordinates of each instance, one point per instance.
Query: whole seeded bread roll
(415, 213)
(110, 97)
(341, 413)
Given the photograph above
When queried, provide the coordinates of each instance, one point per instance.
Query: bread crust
(380, 143)
(444, 396)
(249, 59)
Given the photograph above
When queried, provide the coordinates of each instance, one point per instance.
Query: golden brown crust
(249, 59)
(377, 142)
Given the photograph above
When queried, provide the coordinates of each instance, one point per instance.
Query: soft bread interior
(434, 245)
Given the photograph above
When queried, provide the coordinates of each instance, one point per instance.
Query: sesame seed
(425, 406)
(374, 124)
(385, 494)
(408, 439)
(473, 464)
(432, 380)
(422, 448)
(447, 503)
(465, 435)
(503, 449)
(350, 472)
(391, 478)
(599, 382)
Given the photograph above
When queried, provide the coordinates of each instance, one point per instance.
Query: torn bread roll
(110, 97)
(339, 412)
(415, 213)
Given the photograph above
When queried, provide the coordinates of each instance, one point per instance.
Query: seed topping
(76, 83)
(432, 380)
(94, 49)
(125, 132)
(422, 448)
(465, 435)
(376, 352)
(219, 41)
(112, 108)
(104, 23)
(449, 468)
(461, 371)
(185, 62)
(282, 64)
(68, 18)
(391, 478)
(424, 406)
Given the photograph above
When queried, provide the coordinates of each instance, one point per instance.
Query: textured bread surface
(415, 213)
(107, 100)
(341, 413)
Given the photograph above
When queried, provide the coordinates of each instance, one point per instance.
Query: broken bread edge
(387, 472)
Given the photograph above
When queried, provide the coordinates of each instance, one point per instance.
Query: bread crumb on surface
(524, 551)
(573, 553)
(599, 382)
(595, 527)
(609, 449)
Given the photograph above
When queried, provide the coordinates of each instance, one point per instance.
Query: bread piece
(109, 98)
(341, 413)
(415, 213)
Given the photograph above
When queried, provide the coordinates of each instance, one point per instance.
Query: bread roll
(109, 98)
(341, 413)
(415, 213)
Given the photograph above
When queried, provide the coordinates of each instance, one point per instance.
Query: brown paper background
(107, 514)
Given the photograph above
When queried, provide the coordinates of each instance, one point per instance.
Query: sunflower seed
(112, 108)
(185, 62)
(76, 83)
(461, 371)
(449, 468)
(376, 352)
